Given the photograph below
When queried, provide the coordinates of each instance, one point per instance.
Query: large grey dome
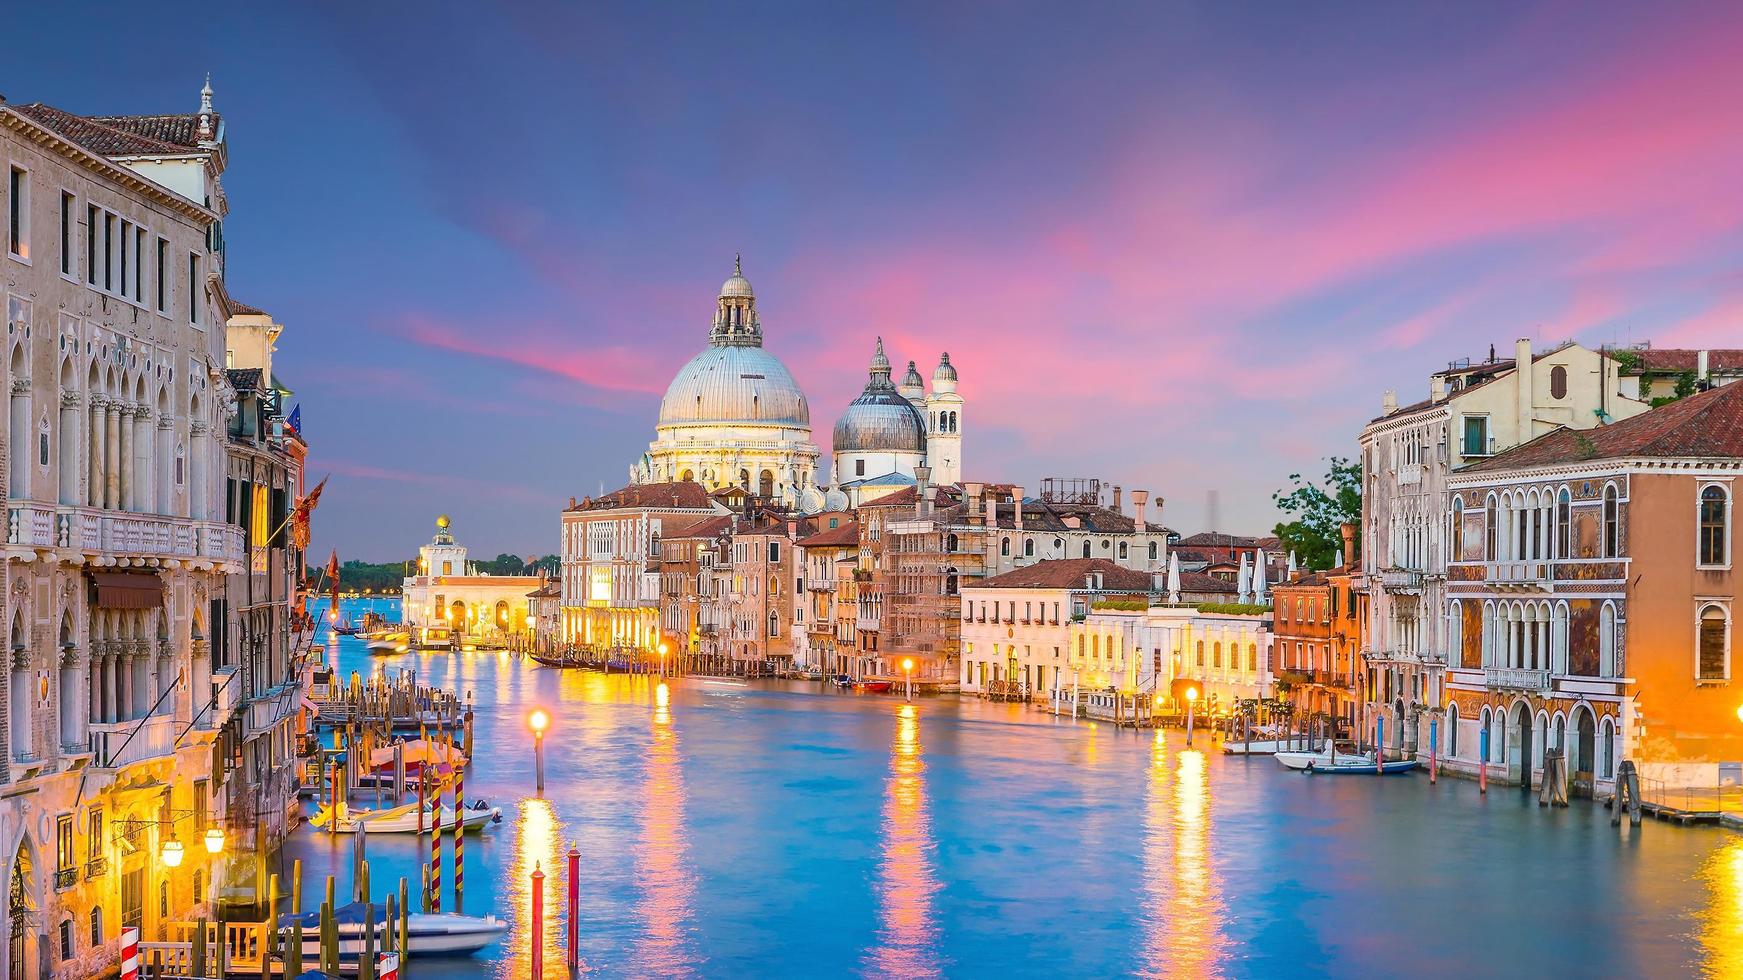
(880, 419)
(728, 385)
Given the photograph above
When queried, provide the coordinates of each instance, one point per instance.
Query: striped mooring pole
(436, 854)
(459, 839)
(130, 953)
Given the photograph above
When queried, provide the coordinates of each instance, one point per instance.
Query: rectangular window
(774, 552)
(124, 247)
(18, 213)
(108, 251)
(138, 265)
(1476, 441)
(91, 244)
(163, 275)
(66, 234)
(94, 840)
(193, 287)
(63, 843)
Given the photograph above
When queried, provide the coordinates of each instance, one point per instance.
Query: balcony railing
(1521, 572)
(92, 529)
(1516, 678)
(1401, 580)
(117, 745)
(96, 867)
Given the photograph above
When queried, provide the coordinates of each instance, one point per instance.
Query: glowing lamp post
(537, 721)
(908, 676)
(172, 853)
(1191, 699)
(664, 649)
(214, 841)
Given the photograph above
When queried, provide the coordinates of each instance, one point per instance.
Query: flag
(294, 421)
(300, 514)
(333, 576)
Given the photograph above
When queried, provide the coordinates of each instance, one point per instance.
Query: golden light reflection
(906, 882)
(1721, 922)
(536, 844)
(667, 884)
(1184, 915)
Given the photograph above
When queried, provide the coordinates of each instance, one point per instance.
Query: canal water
(784, 830)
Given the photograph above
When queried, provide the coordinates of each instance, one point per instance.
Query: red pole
(574, 905)
(538, 940)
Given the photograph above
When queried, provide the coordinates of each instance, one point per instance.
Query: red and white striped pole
(459, 838)
(574, 907)
(130, 953)
(538, 940)
(436, 854)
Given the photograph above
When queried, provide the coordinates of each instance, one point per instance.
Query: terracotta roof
(1069, 573)
(243, 379)
(835, 537)
(238, 308)
(1217, 539)
(1200, 582)
(707, 527)
(122, 136)
(1700, 426)
(685, 494)
(1679, 360)
(549, 590)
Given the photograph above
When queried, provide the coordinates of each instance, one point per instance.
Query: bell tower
(944, 425)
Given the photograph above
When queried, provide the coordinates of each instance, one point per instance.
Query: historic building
(1017, 627)
(733, 415)
(829, 557)
(1590, 600)
(1316, 643)
(889, 432)
(448, 591)
(1473, 412)
(146, 573)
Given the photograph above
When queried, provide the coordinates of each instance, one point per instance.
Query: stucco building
(449, 591)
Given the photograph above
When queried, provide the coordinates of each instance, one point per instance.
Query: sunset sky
(1178, 247)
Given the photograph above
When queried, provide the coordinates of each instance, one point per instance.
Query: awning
(128, 590)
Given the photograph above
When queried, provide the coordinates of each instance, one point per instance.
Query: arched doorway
(1519, 748)
(502, 614)
(21, 901)
(1583, 764)
(1397, 724)
(457, 616)
(766, 484)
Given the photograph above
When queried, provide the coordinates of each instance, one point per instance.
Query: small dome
(880, 419)
(945, 371)
(913, 379)
(737, 285)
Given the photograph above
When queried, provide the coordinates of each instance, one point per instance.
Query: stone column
(97, 441)
(143, 694)
(163, 469)
(142, 485)
(112, 455)
(71, 441)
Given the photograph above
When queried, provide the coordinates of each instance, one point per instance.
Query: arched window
(1491, 529)
(950, 581)
(1607, 752)
(1252, 658)
(1455, 537)
(1154, 551)
(1607, 640)
(1216, 654)
(1558, 658)
(1005, 547)
(1558, 382)
(1455, 631)
(1201, 653)
(1612, 523)
(1452, 731)
(952, 542)
(1713, 649)
(1714, 524)
(774, 623)
(1564, 510)
(1490, 635)
(1086, 549)
(1028, 547)
(1122, 551)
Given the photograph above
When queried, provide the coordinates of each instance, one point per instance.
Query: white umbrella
(1173, 577)
(1260, 568)
(1244, 582)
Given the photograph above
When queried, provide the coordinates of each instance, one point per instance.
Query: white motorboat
(427, 934)
(1255, 747)
(1323, 758)
(1357, 766)
(405, 819)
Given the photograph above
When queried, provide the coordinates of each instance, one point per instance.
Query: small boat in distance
(427, 934)
(1351, 765)
(405, 819)
(871, 686)
(1324, 757)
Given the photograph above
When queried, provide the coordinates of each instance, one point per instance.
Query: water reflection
(1721, 934)
(667, 885)
(1184, 916)
(536, 847)
(906, 882)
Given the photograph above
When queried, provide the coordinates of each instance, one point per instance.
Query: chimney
(974, 492)
(1389, 402)
(1139, 498)
(1527, 398)
(1349, 532)
(1116, 508)
(922, 487)
(1701, 366)
(1437, 389)
(1017, 499)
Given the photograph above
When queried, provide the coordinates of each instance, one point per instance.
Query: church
(734, 417)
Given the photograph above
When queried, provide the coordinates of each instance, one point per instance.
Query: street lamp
(1191, 699)
(537, 722)
(214, 841)
(908, 672)
(172, 853)
(664, 649)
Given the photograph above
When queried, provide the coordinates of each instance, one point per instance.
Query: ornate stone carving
(21, 386)
(70, 398)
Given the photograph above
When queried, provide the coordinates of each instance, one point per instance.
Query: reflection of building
(733, 415)
(130, 650)
(449, 591)
(1591, 599)
(1473, 411)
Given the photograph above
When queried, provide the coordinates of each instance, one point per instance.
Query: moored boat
(405, 819)
(1322, 758)
(427, 934)
(1353, 765)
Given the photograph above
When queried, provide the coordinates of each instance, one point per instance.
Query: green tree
(1318, 512)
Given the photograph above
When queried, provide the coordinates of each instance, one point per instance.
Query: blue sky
(1182, 247)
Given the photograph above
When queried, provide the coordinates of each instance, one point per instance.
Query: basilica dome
(734, 385)
(880, 419)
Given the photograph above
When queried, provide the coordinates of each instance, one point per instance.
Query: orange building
(1315, 659)
(1590, 600)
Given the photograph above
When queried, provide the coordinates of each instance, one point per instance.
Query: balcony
(1521, 573)
(94, 530)
(1516, 678)
(1409, 474)
(120, 744)
(1401, 580)
(267, 711)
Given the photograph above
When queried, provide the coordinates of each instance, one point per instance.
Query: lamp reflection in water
(1183, 916)
(536, 844)
(666, 882)
(906, 883)
(1721, 922)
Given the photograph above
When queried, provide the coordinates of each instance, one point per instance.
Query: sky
(1179, 247)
